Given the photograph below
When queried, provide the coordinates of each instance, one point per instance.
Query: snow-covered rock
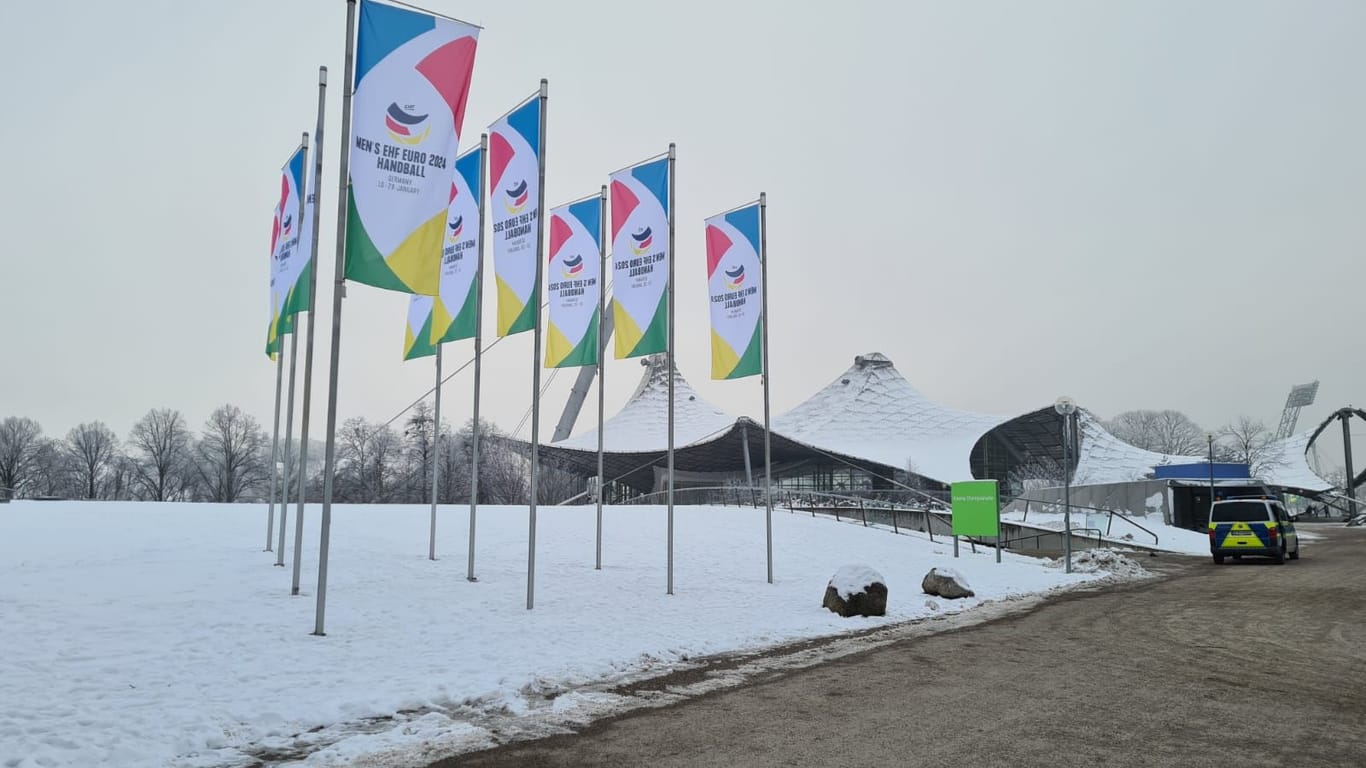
(856, 590)
(946, 583)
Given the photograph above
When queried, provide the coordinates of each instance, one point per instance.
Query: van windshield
(1240, 511)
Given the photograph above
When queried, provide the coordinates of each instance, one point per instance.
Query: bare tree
(1248, 441)
(20, 441)
(52, 475)
(1170, 432)
(160, 443)
(231, 455)
(367, 456)
(418, 437)
(92, 447)
(504, 473)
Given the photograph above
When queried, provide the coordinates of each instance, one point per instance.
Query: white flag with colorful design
(412, 80)
(734, 283)
(287, 258)
(572, 284)
(514, 200)
(453, 315)
(640, 258)
(417, 335)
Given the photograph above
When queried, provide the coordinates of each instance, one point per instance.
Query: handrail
(1111, 512)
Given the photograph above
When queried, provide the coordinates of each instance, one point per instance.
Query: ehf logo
(406, 127)
(517, 197)
(735, 277)
(640, 241)
(287, 226)
(572, 266)
(454, 228)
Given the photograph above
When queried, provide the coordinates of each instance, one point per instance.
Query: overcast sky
(1140, 204)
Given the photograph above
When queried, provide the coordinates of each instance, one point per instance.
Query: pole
(744, 443)
(669, 353)
(1346, 414)
(1210, 439)
(293, 369)
(478, 346)
(289, 438)
(1067, 489)
(602, 351)
(436, 456)
(768, 442)
(536, 362)
(275, 439)
(338, 292)
(312, 323)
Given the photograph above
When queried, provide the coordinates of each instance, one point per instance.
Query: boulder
(856, 590)
(946, 583)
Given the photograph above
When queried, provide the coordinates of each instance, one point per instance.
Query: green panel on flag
(976, 508)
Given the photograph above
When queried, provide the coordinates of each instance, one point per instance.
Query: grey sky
(1141, 204)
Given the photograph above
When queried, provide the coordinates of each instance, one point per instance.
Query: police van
(1252, 526)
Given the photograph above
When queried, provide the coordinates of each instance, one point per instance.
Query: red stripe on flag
(448, 69)
(623, 203)
(500, 154)
(717, 245)
(560, 231)
(455, 192)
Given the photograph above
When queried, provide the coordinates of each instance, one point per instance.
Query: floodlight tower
(1300, 396)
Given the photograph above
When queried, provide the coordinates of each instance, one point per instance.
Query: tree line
(229, 460)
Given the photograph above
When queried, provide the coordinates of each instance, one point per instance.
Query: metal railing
(1110, 516)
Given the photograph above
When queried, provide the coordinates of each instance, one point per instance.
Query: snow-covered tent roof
(870, 416)
(872, 412)
(642, 425)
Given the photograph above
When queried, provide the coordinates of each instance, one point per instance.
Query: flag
(417, 336)
(735, 285)
(298, 299)
(514, 189)
(572, 284)
(412, 80)
(640, 258)
(287, 261)
(454, 312)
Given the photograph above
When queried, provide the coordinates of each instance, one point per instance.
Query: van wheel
(1296, 554)
(1280, 555)
(1218, 559)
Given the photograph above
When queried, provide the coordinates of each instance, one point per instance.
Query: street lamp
(1067, 408)
(1209, 438)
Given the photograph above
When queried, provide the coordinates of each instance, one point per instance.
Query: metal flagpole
(293, 369)
(338, 291)
(312, 323)
(275, 440)
(536, 362)
(289, 435)
(478, 345)
(436, 455)
(602, 350)
(763, 341)
(669, 354)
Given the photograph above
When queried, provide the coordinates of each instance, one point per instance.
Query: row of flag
(414, 218)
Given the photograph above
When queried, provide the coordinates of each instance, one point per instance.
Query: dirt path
(1247, 664)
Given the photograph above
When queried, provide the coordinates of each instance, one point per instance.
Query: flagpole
(275, 439)
(768, 443)
(289, 433)
(293, 368)
(436, 455)
(478, 346)
(602, 348)
(669, 353)
(536, 360)
(338, 291)
(312, 323)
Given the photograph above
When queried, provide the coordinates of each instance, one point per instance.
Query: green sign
(976, 509)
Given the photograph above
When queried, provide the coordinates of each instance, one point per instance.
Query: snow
(952, 574)
(1102, 560)
(161, 634)
(1169, 537)
(642, 425)
(850, 580)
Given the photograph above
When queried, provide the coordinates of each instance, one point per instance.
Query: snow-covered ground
(161, 634)
(1169, 537)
